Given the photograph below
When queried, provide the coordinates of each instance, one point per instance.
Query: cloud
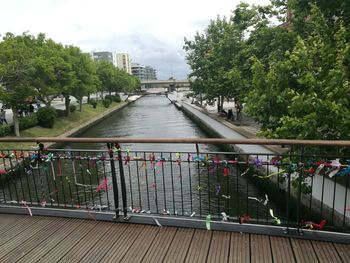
(152, 31)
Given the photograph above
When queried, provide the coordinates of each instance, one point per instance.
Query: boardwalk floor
(49, 239)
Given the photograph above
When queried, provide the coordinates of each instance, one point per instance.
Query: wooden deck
(49, 239)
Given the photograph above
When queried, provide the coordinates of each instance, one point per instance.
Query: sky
(151, 31)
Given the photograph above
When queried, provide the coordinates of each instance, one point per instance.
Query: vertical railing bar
(62, 182)
(122, 181)
(218, 185)
(138, 181)
(34, 183)
(346, 196)
(8, 182)
(190, 181)
(228, 191)
(75, 176)
(333, 204)
(94, 164)
(114, 180)
(47, 180)
(237, 190)
(105, 177)
(288, 193)
(247, 190)
(208, 175)
(182, 193)
(26, 175)
(311, 195)
(164, 193)
(172, 182)
(15, 184)
(322, 192)
(127, 163)
(20, 176)
(146, 174)
(90, 180)
(2, 183)
(69, 185)
(155, 186)
(301, 175)
(83, 179)
(199, 181)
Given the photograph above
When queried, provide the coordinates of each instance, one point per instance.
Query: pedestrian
(239, 107)
(3, 116)
(31, 108)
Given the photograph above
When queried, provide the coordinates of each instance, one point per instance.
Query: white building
(123, 62)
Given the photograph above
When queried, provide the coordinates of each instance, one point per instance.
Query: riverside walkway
(50, 239)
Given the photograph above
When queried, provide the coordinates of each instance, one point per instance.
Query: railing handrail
(342, 143)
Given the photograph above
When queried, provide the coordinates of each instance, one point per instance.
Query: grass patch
(61, 126)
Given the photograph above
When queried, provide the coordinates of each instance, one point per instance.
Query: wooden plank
(102, 247)
(28, 245)
(281, 249)
(260, 249)
(55, 254)
(198, 251)
(343, 251)
(123, 243)
(160, 245)
(13, 241)
(303, 251)
(219, 247)
(8, 221)
(87, 243)
(140, 247)
(239, 248)
(16, 228)
(52, 241)
(325, 252)
(179, 247)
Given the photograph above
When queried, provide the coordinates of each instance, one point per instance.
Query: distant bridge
(182, 82)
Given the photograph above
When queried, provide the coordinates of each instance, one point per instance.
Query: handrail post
(122, 180)
(114, 181)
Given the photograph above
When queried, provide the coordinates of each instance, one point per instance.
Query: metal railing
(302, 188)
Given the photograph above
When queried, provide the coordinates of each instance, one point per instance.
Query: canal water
(160, 178)
(184, 187)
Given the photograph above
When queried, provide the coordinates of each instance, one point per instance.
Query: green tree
(85, 74)
(16, 69)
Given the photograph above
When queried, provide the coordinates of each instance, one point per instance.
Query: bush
(46, 117)
(60, 113)
(109, 97)
(93, 102)
(117, 98)
(28, 121)
(106, 103)
(72, 108)
(4, 130)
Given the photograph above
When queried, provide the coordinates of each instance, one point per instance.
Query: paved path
(57, 104)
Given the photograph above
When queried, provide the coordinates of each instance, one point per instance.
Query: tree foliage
(37, 67)
(294, 77)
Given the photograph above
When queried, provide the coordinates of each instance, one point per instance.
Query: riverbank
(76, 123)
(222, 128)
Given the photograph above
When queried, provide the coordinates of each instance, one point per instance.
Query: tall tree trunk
(66, 103)
(88, 98)
(219, 105)
(222, 102)
(80, 104)
(15, 121)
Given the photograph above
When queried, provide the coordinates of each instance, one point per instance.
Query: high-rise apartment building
(123, 62)
(104, 55)
(143, 72)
